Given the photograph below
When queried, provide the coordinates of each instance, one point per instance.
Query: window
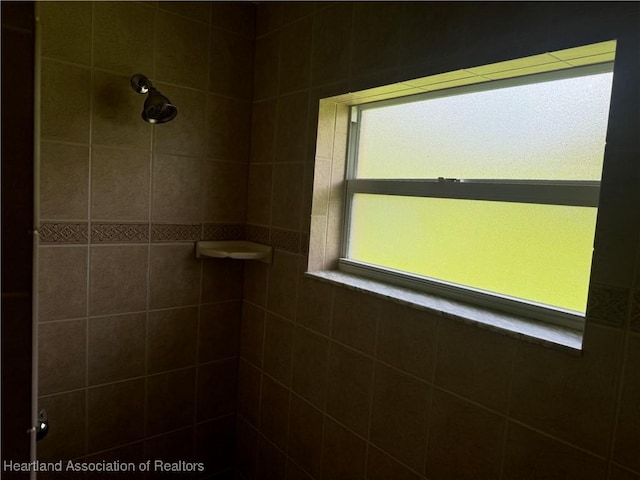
(486, 191)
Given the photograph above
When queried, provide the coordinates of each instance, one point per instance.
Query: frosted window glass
(540, 253)
(543, 131)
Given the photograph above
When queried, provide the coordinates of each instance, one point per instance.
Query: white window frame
(551, 192)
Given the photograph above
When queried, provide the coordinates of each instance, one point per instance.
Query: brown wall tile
(177, 190)
(214, 444)
(349, 387)
(407, 339)
(219, 331)
(60, 299)
(170, 401)
(400, 415)
(115, 414)
(187, 133)
(269, 18)
(64, 181)
(315, 303)
(286, 207)
(224, 191)
(229, 121)
(240, 19)
(465, 441)
(252, 334)
(67, 412)
(263, 131)
(181, 51)
(66, 31)
(174, 276)
(231, 64)
(295, 55)
(291, 140)
(118, 279)
(294, 472)
(344, 454)
(246, 447)
(274, 411)
(129, 453)
(305, 435)
(282, 284)
(376, 40)
(530, 454)
(120, 184)
(562, 382)
(64, 104)
(628, 429)
(278, 348)
(618, 473)
(171, 447)
(116, 348)
(355, 318)
(124, 52)
(171, 339)
(248, 395)
(259, 194)
(381, 467)
(62, 351)
(254, 290)
(200, 11)
(217, 384)
(265, 79)
(271, 461)
(310, 366)
(475, 363)
(331, 44)
(221, 280)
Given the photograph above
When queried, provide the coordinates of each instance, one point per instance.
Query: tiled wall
(137, 339)
(336, 384)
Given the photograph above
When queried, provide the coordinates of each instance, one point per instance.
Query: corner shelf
(237, 249)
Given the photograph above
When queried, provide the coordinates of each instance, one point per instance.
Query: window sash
(551, 192)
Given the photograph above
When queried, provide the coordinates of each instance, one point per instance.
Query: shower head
(157, 108)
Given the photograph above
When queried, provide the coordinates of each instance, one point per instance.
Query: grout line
(431, 394)
(514, 356)
(89, 196)
(557, 439)
(373, 386)
(263, 374)
(148, 243)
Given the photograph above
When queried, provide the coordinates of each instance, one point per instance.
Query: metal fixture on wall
(157, 107)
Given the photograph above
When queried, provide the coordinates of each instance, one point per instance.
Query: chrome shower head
(157, 107)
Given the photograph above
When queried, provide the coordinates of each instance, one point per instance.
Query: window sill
(518, 327)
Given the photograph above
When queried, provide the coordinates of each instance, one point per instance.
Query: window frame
(551, 192)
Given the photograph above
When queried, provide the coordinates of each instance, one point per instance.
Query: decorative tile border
(174, 232)
(607, 305)
(104, 232)
(64, 233)
(219, 231)
(119, 232)
(258, 234)
(70, 233)
(285, 240)
(635, 312)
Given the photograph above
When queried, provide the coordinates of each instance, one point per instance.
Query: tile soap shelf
(238, 249)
